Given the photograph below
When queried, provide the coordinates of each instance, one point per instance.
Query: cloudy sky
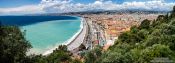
(17, 7)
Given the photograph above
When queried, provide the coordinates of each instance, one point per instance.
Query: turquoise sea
(46, 33)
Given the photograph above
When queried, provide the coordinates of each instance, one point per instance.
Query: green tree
(119, 54)
(145, 24)
(36, 59)
(173, 13)
(160, 18)
(76, 61)
(134, 29)
(59, 55)
(149, 53)
(166, 18)
(94, 56)
(13, 45)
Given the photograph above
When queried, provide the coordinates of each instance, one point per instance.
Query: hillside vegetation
(142, 44)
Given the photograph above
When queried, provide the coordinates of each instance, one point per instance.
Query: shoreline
(79, 39)
(69, 41)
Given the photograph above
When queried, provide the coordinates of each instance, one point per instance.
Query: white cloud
(67, 6)
(60, 6)
(29, 9)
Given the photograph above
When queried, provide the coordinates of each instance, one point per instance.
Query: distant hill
(104, 12)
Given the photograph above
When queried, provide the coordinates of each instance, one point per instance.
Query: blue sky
(51, 6)
(16, 3)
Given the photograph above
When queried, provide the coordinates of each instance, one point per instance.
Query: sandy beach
(79, 38)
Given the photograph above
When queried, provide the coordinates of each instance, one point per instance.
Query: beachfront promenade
(79, 39)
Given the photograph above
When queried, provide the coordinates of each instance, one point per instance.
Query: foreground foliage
(13, 46)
